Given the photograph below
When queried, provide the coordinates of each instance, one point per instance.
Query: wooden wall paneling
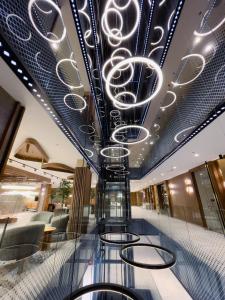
(11, 113)
(215, 170)
(80, 200)
(184, 202)
(198, 199)
(169, 198)
(156, 197)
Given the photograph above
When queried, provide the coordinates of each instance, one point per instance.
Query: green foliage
(63, 192)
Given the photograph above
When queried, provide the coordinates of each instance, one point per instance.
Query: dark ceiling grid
(178, 8)
(202, 102)
(48, 84)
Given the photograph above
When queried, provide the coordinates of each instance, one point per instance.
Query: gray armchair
(60, 222)
(21, 242)
(44, 216)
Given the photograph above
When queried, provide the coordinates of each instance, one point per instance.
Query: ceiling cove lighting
(137, 59)
(159, 28)
(80, 98)
(200, 72)
(203, 34)
(118, 130)
(9, 16)
(181, 132)
(115, 148)
(73, 63)
(163, 108)
(59, 40)
(105, 24)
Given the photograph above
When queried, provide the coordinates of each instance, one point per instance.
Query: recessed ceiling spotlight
(196, 154)
(174, 167)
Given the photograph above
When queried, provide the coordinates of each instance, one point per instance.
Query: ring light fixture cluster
(117, 34)
(56, 40)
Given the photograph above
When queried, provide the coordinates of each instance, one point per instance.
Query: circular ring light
(118, 50)
(162, 2)
(148, 266)
(155, 49)
(117, 148)
(105, 25)
(200, 72)
(43, 11)
(103, 238)
(140, 59)
(182, 131)
(89, 152)
(161, 36)
(115, 113)
(84, 6)
(88, 127)
(90, 61)
(119, 7)
(173, 101)
(203, 34)
(217, 74)
(79, 97)
(108, 31)
(105, 287)
(114, 168)
(9, 16)
(118, 69)
(93, 74)
(30, 4)
(110, 38)
(122, 173)
(170, 19)
(73, 63)
(127, 127)
(125, 93)
(36, 59)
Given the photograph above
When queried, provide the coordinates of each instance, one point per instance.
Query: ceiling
(76, 73)
(206, 146)
(37, 124)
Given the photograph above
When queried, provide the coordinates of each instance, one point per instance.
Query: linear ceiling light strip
(84, 53)
(15, 65)
(97, 50)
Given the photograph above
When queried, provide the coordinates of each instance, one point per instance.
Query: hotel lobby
(112, 149)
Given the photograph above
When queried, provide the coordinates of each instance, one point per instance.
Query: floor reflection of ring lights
(104, 287)
(121, 242)
(148, 266)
